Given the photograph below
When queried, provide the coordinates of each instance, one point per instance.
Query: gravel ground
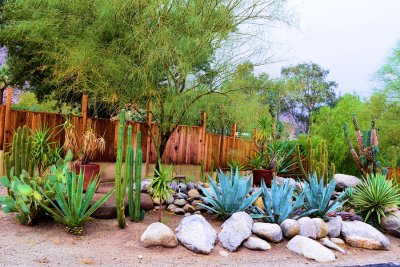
(103, 243)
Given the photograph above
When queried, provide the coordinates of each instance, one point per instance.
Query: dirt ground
(103, 243)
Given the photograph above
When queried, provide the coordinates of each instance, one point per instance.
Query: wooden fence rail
(187, 145)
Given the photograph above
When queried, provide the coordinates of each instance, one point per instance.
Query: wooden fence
(187, 145)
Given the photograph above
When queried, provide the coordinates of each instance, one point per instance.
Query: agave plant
(231, 196)
(318, 196)
(278, 203)
(374, 196)
(72, 206)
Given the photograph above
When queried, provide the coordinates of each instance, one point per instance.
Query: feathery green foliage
(318, 196)
(373, 196)
(231, 196)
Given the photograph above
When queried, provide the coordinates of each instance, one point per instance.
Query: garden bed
(103, 243)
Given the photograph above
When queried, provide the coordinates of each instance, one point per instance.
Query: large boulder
(307, 227)
(146, 202)
(310, 249)
(334, 226)
(196, 234)
(290, 228)
(269, 231)
(391, 223)
(158, 234)
(255, 243)
(362, 235)
(321, 227)
(235, 230)
(343, 181)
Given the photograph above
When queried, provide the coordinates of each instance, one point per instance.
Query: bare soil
(103, 243)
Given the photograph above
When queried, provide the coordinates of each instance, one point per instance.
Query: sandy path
(48, 244)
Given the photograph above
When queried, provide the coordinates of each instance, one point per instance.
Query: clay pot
(89, 170)
(266, 175)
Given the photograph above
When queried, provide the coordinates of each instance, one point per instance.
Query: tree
(389, 74)
(308, 91)
(128, 52)
(4, 81)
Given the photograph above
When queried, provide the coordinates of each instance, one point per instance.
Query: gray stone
(158, 234)
(321, 227)
(193, 193)
(191, 185)
(171, 208)
(235, 230)
(307, 227)
(180, 202)
(362, 235)
(281, 180)
(391, 223)
(188, 208)
(255, 243)
(180, 196)
(196, 202)
(334, 226)
(170, 200)
(310, 249)
(196, 234)
(329, 244)
(179, 211)
(290, 228)
(145, 186)
(182, 187)
(343, 181)
(174, 186)
(269, 231)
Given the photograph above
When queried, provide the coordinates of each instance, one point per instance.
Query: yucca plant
(231, 196)
(279, 204)
(160, 187)
(72, 206)
(318, 196)
(374, 196)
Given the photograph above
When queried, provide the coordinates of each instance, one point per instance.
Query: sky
(351, 38)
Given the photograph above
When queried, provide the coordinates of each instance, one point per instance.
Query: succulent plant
(231, 196)
(279, 203)
(318, 196)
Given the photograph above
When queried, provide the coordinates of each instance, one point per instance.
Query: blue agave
(231, 196)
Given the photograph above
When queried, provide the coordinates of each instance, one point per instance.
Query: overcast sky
(351, 38)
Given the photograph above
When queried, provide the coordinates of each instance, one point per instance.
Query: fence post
(7, 118)
(148, 141)
(233, 132)
(84, 111)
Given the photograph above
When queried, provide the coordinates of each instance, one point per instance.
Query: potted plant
(84, 148)
(276, 158)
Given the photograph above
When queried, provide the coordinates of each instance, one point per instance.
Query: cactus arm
(138, 177)
(120, 193)
(299, 161)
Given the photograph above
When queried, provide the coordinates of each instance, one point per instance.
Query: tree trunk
(1, 96)
(161, 149)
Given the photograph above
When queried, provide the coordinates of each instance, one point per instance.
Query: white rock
(321, 227)
(307, 227)
(196, 234)
(235, 230)
(310, 249)
(158, 234)
(269, 231)
(290, 228)
(255, 243)
(362, 235)
(337, 241)
(334, 226)
(344, 180)
(329, 244)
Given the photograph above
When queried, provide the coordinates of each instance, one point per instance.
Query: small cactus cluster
(317, 161)
(367, 142)
(131, 166)
(19, 158)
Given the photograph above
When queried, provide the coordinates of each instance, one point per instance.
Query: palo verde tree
(128, 53)
(308, 89)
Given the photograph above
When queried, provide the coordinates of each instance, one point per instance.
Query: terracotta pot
(89, 170)
(266, 175)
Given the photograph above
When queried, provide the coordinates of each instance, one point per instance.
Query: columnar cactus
(395, 175)
(120, 189)
(367, 143)
(317, 161)
(138, 178)
(19, 157)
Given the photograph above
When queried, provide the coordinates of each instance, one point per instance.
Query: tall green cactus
(367, 143)
(395, 175)
(317, 161)
(20, 155)
(138, 178)
(119, 183)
